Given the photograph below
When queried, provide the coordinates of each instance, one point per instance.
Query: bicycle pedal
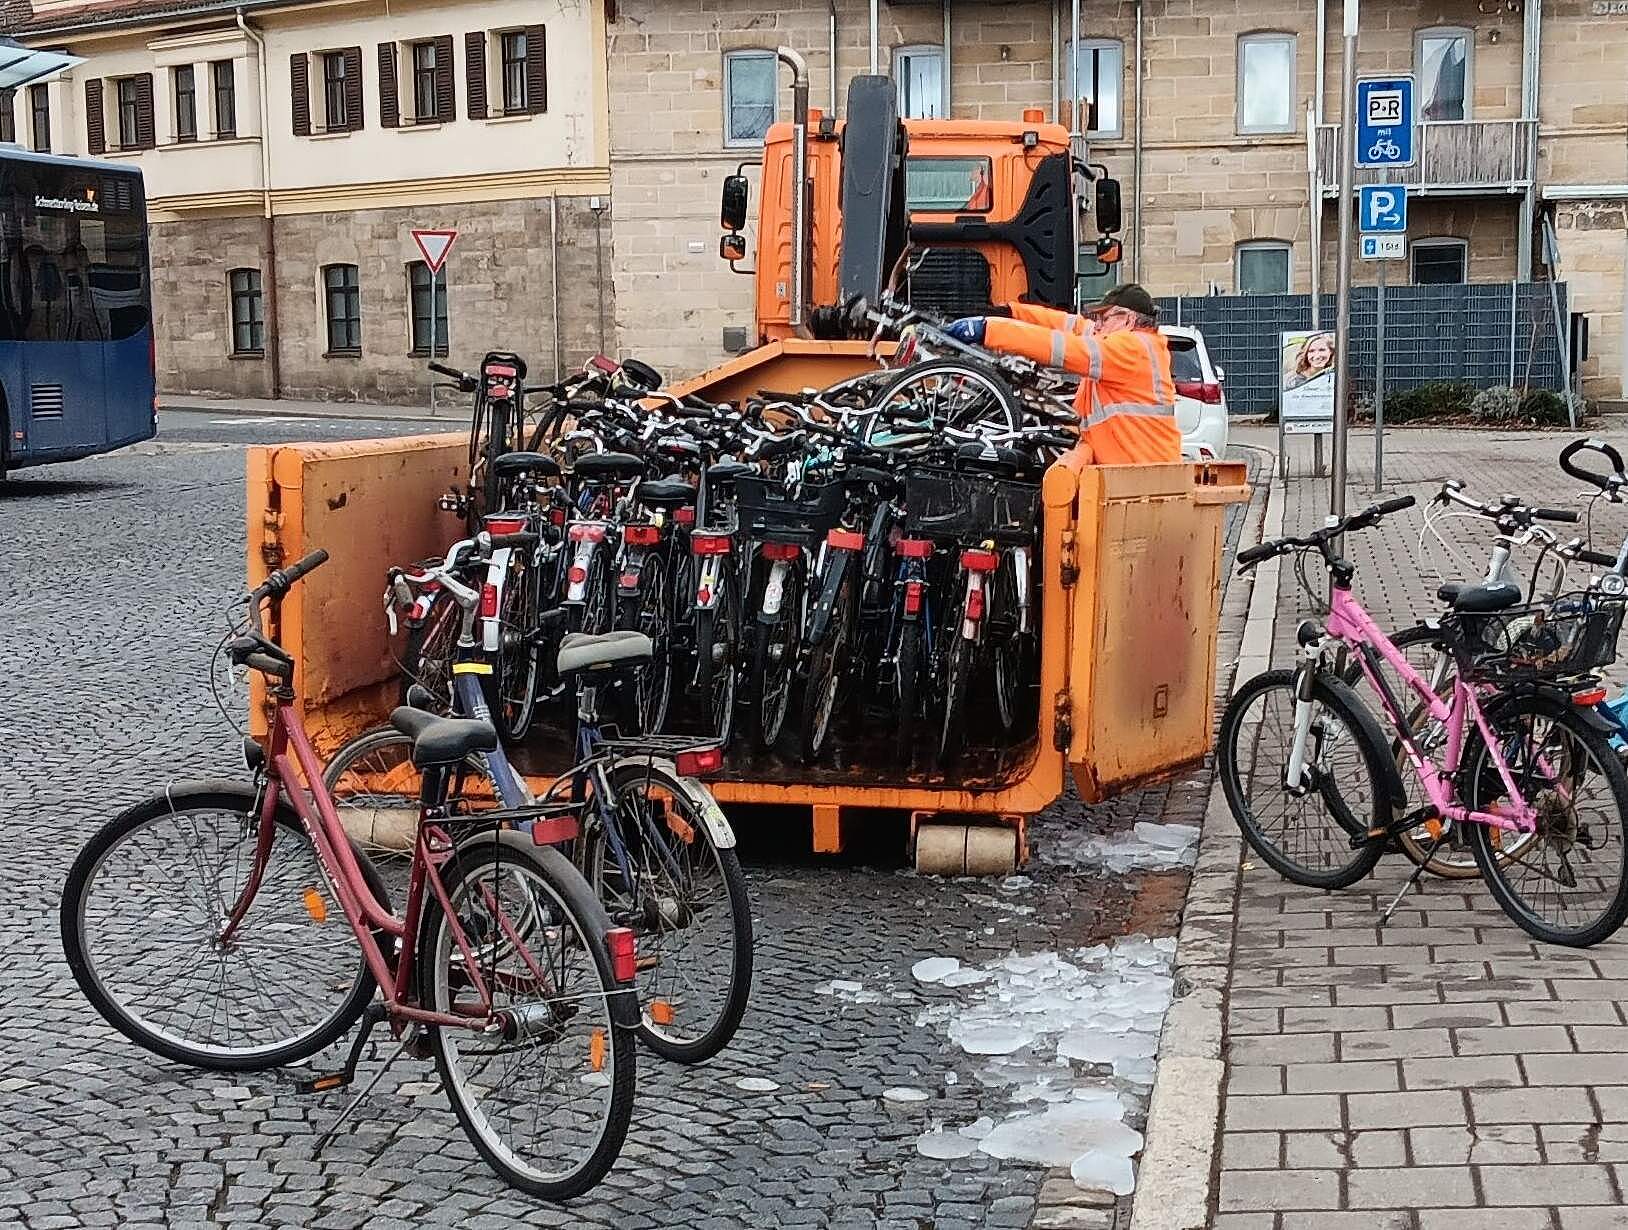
(323, 1083)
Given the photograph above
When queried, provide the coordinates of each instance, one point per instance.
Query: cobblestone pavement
(1441, 1073)
(113, 576)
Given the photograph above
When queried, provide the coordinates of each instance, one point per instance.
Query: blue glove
(969, 329)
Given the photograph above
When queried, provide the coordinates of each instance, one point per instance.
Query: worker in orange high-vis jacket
(1127, 397)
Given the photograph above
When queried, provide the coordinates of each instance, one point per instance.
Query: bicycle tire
(645, 698)
(1335, 698)
(958, 664)
(512, 686)
(1499, 873)
(997, 395)
(375, 741)
(426, 653)
(724, 1025)
(769, 716)
(575, 902)
(823, 688)
(907, 670)
(223, 797)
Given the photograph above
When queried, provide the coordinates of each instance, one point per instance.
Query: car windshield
(1184, 360)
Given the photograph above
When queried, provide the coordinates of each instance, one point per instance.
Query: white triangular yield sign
(435, 245)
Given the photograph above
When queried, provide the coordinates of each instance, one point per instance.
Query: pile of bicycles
(1494, 710)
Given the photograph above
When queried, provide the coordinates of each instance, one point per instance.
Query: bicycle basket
(766, 510)
(1572, 635)
(950, 506)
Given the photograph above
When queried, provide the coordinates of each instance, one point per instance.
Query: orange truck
(1130, 555)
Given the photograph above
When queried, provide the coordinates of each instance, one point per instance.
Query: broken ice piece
(1103, 1171)
(844, 986)
(1097, 1046)
(1170, 836)
(945, 1146)
(950, 1078)
(934, 969)
(978, 1128)
(991, 1039)
(1015, 884)
(1059, 1135)
(756, 1084)
(903, 1093)
(964, 978)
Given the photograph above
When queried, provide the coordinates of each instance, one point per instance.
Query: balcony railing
(1454, 157)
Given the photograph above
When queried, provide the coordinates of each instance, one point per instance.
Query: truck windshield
(948, 185)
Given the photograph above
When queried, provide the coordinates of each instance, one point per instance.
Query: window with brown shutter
(536, 69)
(389, 99)
(353, 89)
(146, 129)
(446, 81)
(95, 126)
(475, 71)
(299, 88)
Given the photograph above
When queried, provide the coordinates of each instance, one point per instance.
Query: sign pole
(1342, 312)
(1379, 385)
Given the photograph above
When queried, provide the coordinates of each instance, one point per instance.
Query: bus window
(948, 185)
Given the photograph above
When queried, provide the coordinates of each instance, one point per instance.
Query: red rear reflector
(1592, 697)
(912, 597)
(577, 575)
(624, 956)
(505, 525)
(980, 561)
(500, 369)
(586, 531)
(975, 605)
(499, 390)
(846, 540)
(703, 596)
(630, 580)
(906, 351)
(684, 516)
(641, 535)
(781, 550)
(711, 544)
(606, 365)
(488, 601)
(556, 516)
(699, 762)
(552, 831)
(914, 548)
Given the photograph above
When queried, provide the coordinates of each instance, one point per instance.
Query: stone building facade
(288, 159)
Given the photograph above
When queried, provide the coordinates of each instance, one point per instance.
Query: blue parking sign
(1385, 122)
(1382, 209)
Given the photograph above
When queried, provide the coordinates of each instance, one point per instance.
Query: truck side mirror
(1110, 251)
(732, 213)
(1109, 217)
(732, 247)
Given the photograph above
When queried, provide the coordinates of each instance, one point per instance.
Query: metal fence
(1494, 333)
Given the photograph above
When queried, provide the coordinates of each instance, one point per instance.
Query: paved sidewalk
(449, 408)
(1443, 1073)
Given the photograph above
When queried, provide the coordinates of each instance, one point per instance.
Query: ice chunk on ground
(756, 1084)
(964, 978)
(945, 1146)
(978, 1128)
(934, 969)
(1058, 1135)
(1102, 1171)
(1146, 847)
(950, 1078)
(1016, 884)
(903, 1093)
(990, 1039)
(1096, 1046)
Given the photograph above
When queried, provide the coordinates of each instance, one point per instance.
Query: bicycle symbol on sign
(1384, 148)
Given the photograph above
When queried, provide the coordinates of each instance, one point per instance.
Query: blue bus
(77, 365)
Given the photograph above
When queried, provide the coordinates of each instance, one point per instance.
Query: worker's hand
(969, 329)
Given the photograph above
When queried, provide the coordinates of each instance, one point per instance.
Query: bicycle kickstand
(345, 1076)
(1413, 879)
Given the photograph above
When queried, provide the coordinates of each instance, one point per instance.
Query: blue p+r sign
(1382, 209)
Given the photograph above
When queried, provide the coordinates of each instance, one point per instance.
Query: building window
(515, 100)
(426, 296)
(335, 117)
(1439, 262)
(1102, 69)
(129, 113)
(343, 306)
(186, 104)
(1263, 268)
(425, 109)
(1442, 61)
(750, 96)
(39, 113)
(1266, 86)
(223, 77)
(8, 116)
(248, 313)
(1095, 278)
(918, 72)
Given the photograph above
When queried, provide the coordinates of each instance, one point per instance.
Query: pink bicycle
(1309, 774)
(218, 925)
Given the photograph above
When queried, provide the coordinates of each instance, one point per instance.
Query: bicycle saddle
(988, 457)
(526, 463)
(728, 471)
(666, 493)
(1479, 599)
(601, 467)
(440, 740)
(580, 651)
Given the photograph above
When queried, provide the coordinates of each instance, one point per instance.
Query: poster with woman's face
(1306, 379)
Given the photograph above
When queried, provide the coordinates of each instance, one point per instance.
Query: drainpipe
(1076, 131)
(1056, 60)
(831, 9)
(799, 182)
(945, 91)
(1531, 62)
(1136, 159)
(274, 343)
(1314, 207)
(554, 278)
(874, 39)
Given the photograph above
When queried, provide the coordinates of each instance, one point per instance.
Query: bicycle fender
(497, 572)
(774, 592)
(1371, 730)
(627, 579)
(1558, 699)
(712, 815)
(819, 619)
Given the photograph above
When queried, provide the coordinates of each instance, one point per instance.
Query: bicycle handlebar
(1605, 482)
(452, 373)
(1321, 538)
(278, 583)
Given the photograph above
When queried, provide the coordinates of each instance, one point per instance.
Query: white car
(1201, 405)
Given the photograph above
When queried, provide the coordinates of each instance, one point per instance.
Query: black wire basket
(1569, 636)
(957, 507)
(768, 512)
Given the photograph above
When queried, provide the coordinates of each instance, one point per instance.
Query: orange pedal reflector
(661, 1012)
(327, 1082)
(315, 906)
(596, 1051)
(1433, 827)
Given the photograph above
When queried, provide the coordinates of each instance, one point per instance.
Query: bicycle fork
(1294, 773)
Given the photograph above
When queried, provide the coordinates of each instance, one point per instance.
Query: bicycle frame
(1349, 623)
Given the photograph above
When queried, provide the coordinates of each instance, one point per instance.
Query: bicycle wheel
(1304, 835)
(513, 695)
(595, 617)
(774, 664)
(717, 653)
(141, 916)
(426, 656)
(826, 663)
(645, 698)
(958, 662)
(947, 392)
(545, 1099)
(907, 671)
(376, 788)
(690, 910)
(1569, 883)
(1013, 665)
